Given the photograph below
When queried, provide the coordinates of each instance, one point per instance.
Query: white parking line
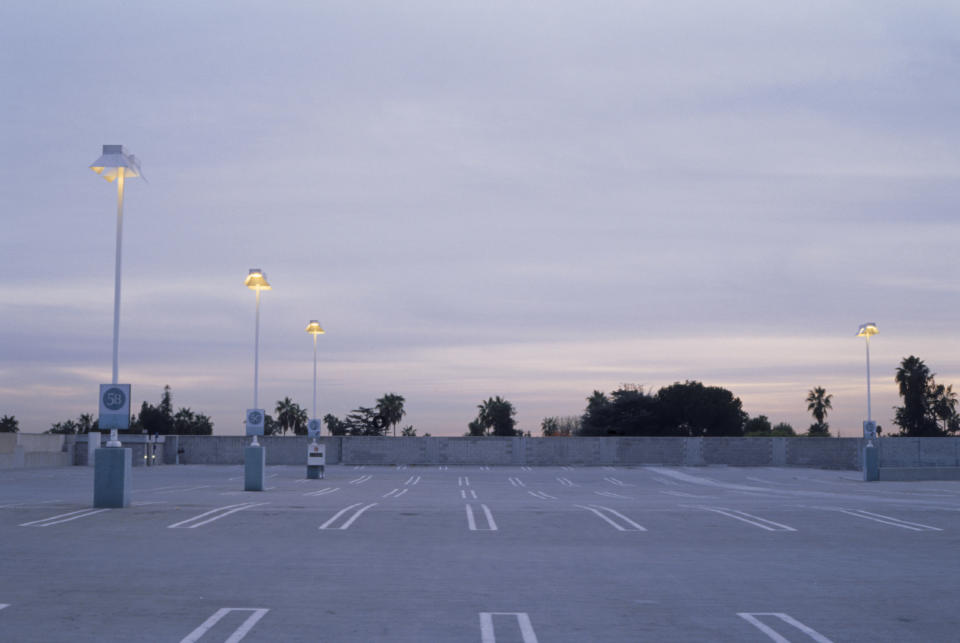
(442, 467)
(516, 482)
(609, 468)
(396, 493)
(567, 468)
(682, 494)
(751, 617)
(888, 520)
(56, 520)
(603, 512)
(221, 511)
(401, 467)
(464, 492)
(176, 489)
(463, 481)
(526, 469)
(322, 492)
(610, 494)
(238, 634)
(3, 605)
(619, 483)
(567, 482)
(361, 479)
(523, 622)
(484, 468)
(357, 468)
(350, 520)
(542, 495)
(412, 480)
(756, 521)
(472, 523)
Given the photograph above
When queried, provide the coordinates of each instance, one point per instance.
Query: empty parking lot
(474, 553)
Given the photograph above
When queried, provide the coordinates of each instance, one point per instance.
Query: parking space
(479, 553)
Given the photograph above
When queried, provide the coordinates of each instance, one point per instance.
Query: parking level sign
(255, 420)
(114, 406)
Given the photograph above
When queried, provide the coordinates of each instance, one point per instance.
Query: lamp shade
(314, 328)
(113, 158)
(256, 280)
(868, 329)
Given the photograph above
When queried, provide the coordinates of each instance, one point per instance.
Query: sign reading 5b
(114, 406)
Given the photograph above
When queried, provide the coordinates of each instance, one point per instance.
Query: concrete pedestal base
(314, 471)
(871, 463)
(254, 468)
(111, 477)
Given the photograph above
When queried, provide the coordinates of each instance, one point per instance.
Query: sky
(526, 199)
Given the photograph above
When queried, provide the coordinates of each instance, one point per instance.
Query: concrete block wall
(824, 453)
(19, 450)
(228, 449)
(919, 452)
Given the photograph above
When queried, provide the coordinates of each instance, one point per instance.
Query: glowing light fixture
(866, 331)
(256, 280)
(115, 164)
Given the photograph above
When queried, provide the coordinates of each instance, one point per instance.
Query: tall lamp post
(866, 331)
(314, 329)
(115, 164)
(257, 281)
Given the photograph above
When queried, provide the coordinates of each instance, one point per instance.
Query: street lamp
(866, 331)
(115, 164)
(314, 329)
(256, 280)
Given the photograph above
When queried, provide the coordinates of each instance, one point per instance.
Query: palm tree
(390, 408)
(290, 415)
(945, 405)
(497, 413)
(818, 402)
(916, 417)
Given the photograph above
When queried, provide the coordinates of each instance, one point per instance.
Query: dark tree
(9, 424)
(918, 417)
(496, 415)
(758, 427)
(365, 420)
(695, 410)
(335, 425)
(186, 422)
(390, 408)
(291, 417)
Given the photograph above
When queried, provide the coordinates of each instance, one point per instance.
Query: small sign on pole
(255, 421)
(114, 406)
(313, 428)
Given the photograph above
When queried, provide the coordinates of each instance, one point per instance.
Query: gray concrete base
(254, 468)
(871, 463)
(911, 474)
(111, 477)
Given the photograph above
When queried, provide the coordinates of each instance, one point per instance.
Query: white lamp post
(115, 164)
(315, 329)
(256, 280)
(866, 331)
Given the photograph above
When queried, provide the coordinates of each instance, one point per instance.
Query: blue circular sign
(114, 398)
(255, 418)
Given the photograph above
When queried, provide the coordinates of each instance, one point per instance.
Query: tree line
(688, 408)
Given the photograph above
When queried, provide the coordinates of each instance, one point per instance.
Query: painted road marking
(464, 492)
(349, 520)
(682, 494)
(67, 517)
(526, 469)
(463, 481)
(357, 468)
(396, 493)
(567, 482)
(542, 495)
(516, 482)
(203, 486)
(442, 467)
(567, 468)
(221, 512)
(609, 468)
(484, 468)
(610, 494)
(665, 481)
(412, 480)
(361, 479)
(401, 467)
(756, 521)
(4, 605)
(605, 512)
(472, 523)
(523, 622)
(238, 634)
(888, 520)
(619, 483)
(751, 617)
(322, 492)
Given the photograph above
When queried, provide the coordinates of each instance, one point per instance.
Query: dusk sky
(531, 200)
